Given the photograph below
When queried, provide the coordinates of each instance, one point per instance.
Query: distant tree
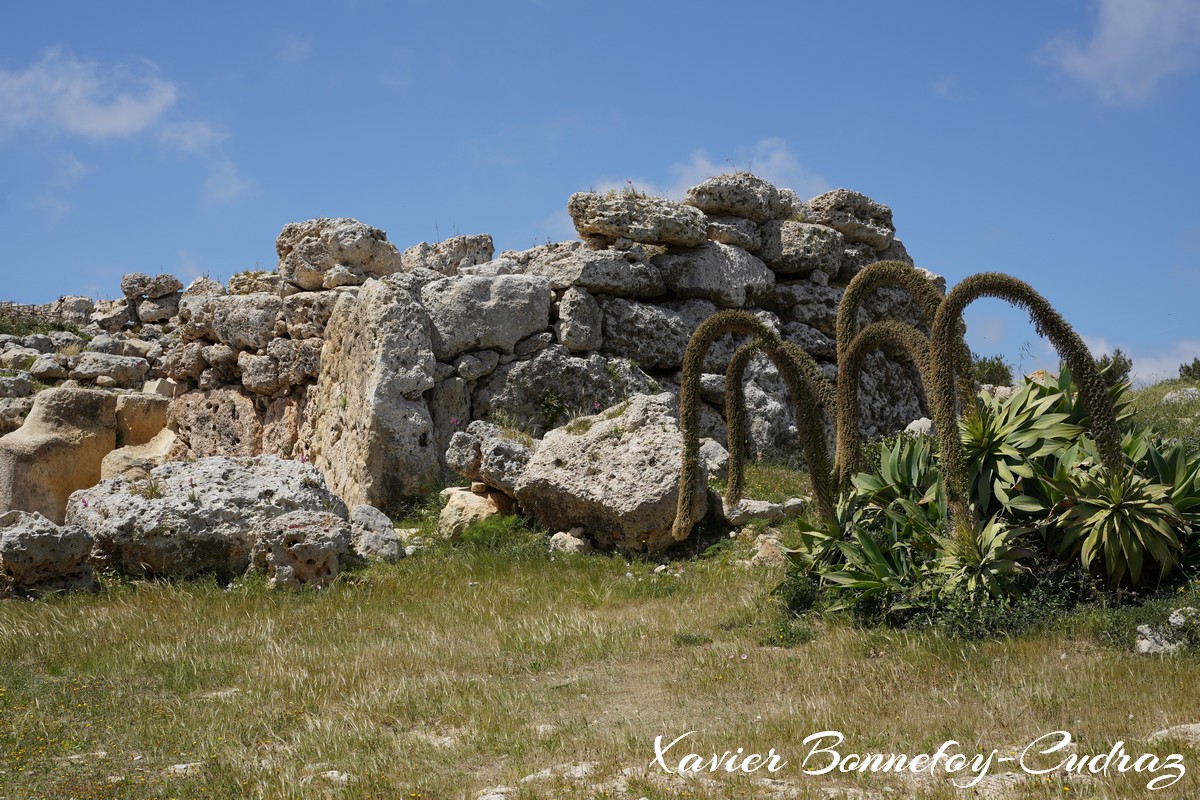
(1115, 368)
(1190, 371)
(993, 370)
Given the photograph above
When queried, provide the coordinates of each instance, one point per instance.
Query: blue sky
(1055, 140)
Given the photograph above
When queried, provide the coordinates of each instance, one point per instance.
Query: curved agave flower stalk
(809, 396)
(947, 340)
(735, 409)
(885, 333)
(879, 275)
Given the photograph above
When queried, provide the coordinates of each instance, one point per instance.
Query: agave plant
(1002, 440)
(1121, 521)
(980, 560)
(874, 573)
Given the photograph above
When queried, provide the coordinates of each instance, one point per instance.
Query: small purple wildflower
(304, 458)
(455, 421)
(84, 501)
(596, 405)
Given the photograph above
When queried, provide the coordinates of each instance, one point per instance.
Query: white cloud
(191, 137)
(224, 184)
(83, 97)
(1153, 365)
(295, 49)
(1135, 45)
(770, 159)
(945, 87)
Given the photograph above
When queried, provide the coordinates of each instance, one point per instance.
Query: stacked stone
(368, 360)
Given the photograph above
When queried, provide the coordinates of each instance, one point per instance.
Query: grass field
(470, 668)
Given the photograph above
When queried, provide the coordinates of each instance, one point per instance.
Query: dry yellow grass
(461, 670)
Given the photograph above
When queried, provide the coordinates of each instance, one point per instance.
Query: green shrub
(1190, 372)
(993, 370)
(1115, 368)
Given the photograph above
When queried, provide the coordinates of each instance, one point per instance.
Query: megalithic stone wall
(366, 360)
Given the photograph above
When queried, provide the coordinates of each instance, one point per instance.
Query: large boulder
(449, 255)
(580, 321)
(124, 371)
(367, 425)
(566, 264)
(192, 517)
(616, 474)
(856, 216)
(490, 454)
(135, 461)
(326, 253)
(373, 536)
(302, 548)
(464, 507)
(739, 194)
(718, 272)
(543, 392)
(216, 422)
(476, 313)
(628, 215)
(38, 556)
(798, 248)
(655, 336)
(58, 450)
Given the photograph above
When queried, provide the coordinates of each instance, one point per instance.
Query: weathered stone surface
(571, 542)
(798, 248)
(38, 341)
(18, 385)
(490, 454)
(39, 556)
(184, 361)
(73, 308)
(217, 422)
(372, 535)
(195, 517)
(203, 286)
(738, 194)
(325, 253)
(222, 366)
(162, 286)
(306, 313)
(580, 321)
(13, 411)
(140, 417)
(48, 367)
(531, 344)
(857, 217)
(136, 461)
(282, 422)
(471, 313)
(19, 358)
(545, 391)
(255, 282)
(367, 425)
(134, 284)
(649, 220)
(111, 315)
(158, 309)
(655, 336)
(302, 548)
(717, 272)
(464, 507)
(450, 408)
(287, 363)
(57, 450)
(714, 457)
(474, 366)
(804, 302)
(449, 255)
(812, 340)
(616, 272)
(735, 231)
(616, 474)
(248, 321)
